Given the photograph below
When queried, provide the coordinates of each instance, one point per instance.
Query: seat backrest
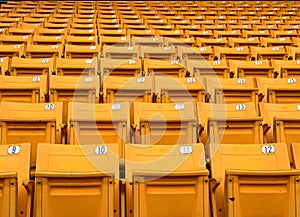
(44, 51)
(229, 123)
(48, 40)
(259, 68)
(234, 90)
(166, 52)
(73, 89)
(170, 89)
(121, 67)
(279, 90)
(266, 158)
(76, 67)
(281, 123)
(86, 172)
(286, 68)
(31, 67)
(99, 123)
(121, 52)
(208, 68)
(147, 41)
(164, 175)
(81, 51)
(237, 53)
(174, 68)
(81, 40)
(165, 123)
(12, 50)
(261, 53)
(34, 122)
(121, 89)
(23, 88)
(14, 167)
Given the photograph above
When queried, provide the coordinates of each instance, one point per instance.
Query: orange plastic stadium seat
(12, 50)
(199, 34)
(51, 32)
(202, 53)
(47, 40)
(141, 33)
(293, 53)
(34, 122)
(23, 89)
(76, 67)
(286, 68)
(90, 123)
(229, 123)
(14, 39)
(16, 189)
(73, 89)
(256, 33)
(82, 40)
(114, 40)
(208, 68)
(20, 31)
(280, 90)
(164, 180)
(239, 42)
(241, 176)
(261, 53)
(259, 68)
(81, 51)
(31, 67)
(273, 42)
(281, 123)
(236, 53)
(165, 123)
(44, 51)
(82, 182)
(121, 67)
(213, 42)
(127, 89)
(120, 52)
(234, 90)
(147, 41)
(175, 90)
(166, 52)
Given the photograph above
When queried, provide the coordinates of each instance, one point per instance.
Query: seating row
(190, 66)
(146, 37)
(160, 179)
(148, 123)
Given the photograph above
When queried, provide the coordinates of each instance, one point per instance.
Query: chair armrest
(213, 184)
(30, 187)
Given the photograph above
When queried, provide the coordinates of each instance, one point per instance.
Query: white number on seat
(191, 80)
(179, 106)
(36, 79)
(88, 79)
(186, 149)
(49, 106)
(13, 149)
(140, 80)
(101, 149)
(240, 107)
(292, 80)
(131, 61)
(268, 149)
(115, 106)
(241, 81)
